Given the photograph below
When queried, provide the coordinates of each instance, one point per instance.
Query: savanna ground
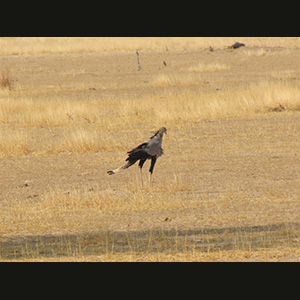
(227, 188)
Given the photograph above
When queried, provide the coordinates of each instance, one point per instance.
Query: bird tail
(125, 166)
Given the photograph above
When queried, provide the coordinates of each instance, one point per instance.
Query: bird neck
(159, 135)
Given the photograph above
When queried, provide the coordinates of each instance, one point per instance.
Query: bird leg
(150, 180)
(141, 177)
(153, 161)
(141, 163)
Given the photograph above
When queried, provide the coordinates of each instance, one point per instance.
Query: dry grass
(6, 80)
(82, 126)
(175, 80)
(208, 67)
(258, 53)
(45, 45)
(97, 209)
(14, 143)
(226, 188)
(267, 255)
(82, 223)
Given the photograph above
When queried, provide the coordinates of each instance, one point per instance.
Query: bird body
(151, 149)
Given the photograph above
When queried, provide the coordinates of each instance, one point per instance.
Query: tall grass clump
(6, 80)
(14, 143)
(227, 103)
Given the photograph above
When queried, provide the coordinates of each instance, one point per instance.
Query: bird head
(163, 130)
(160, 132)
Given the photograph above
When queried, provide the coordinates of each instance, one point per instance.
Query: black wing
(138, 153)
(138, 148)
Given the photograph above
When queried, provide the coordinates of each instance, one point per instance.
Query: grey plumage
(151, 149)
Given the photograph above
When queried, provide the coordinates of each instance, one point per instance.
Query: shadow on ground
(171, 241)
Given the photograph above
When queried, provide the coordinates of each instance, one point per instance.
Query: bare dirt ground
(226, 188)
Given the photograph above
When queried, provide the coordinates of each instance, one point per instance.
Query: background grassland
(227, 187)
(88, 125)
(46, 45)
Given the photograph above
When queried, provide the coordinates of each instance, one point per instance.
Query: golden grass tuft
(212, 67)
(14, 143)
(164, 80)
(6, 80)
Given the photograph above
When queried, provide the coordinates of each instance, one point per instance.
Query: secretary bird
(148, 150)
